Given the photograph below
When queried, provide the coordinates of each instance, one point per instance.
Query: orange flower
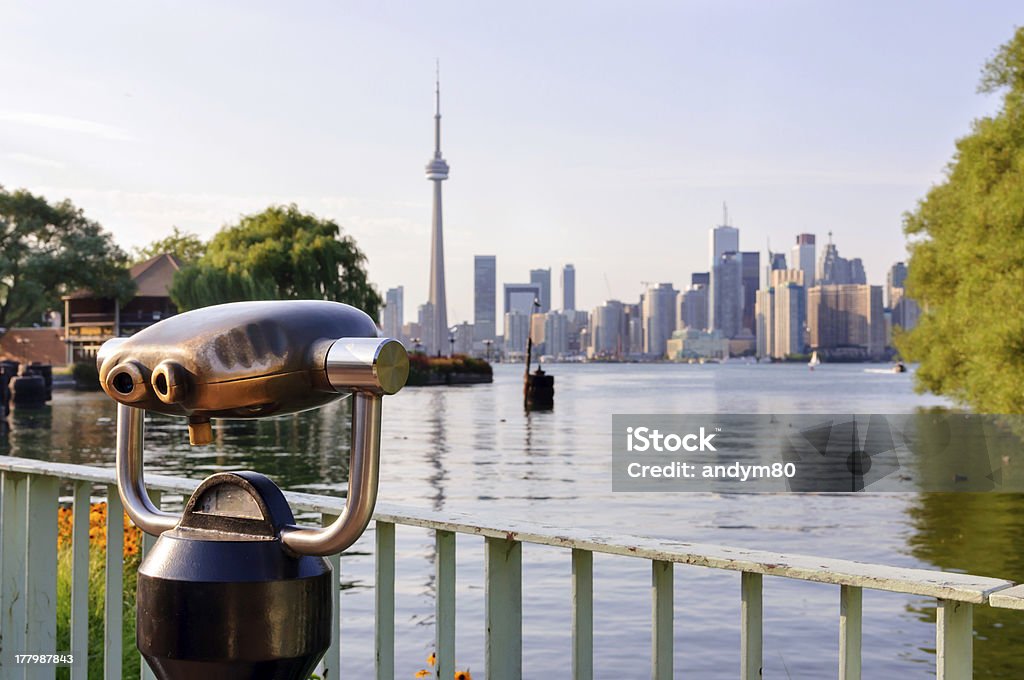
(422, 673)
(463, 675)
(432, 659)
(97, 529)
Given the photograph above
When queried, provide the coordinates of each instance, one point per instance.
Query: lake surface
(473, 450)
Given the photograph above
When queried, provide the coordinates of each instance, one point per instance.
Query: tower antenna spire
(725, 214)
(437, 109)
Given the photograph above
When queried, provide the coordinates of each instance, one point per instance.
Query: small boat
(815, 361)
(899, 367)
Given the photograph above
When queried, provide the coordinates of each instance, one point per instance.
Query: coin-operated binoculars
(233, 588)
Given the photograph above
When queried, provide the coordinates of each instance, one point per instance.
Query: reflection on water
(473, 450)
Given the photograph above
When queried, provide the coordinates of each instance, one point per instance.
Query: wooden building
(89, 321)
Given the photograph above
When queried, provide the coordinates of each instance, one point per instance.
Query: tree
(967, 257)
(184, 245)
(49, 250)
(281, 253)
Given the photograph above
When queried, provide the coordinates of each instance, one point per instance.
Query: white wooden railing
(28, 578)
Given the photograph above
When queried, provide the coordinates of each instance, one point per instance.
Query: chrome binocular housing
(255, 360)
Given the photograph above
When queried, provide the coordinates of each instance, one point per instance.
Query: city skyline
(615, 158)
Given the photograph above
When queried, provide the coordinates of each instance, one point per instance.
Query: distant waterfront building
(802, 257)
(700, 279)
(606, 331)
(393, 313)
(568, 287)
(89, 320)
(412, 336)
(723, 239)
(577, 321)
(904, 312)
(556, 334)
(542, 278)
(463, 336)
(776, 261)
(781, 315)
(896, 277)
(519, 297)
(426, 318)
(857, 273)
(751, 264)
(846, 321)
(764, 319)
(693, 343)
(725, 302)
(693, 307)
(789, 318)
(517, 329)
(485, 288)
(659, 318)
(834, 269)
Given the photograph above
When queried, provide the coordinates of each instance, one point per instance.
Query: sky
(605, 134)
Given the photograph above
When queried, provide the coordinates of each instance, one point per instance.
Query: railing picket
(80, 508)
(384, 627)
(662, 619)
(851, 599)
(41, 572)
(503, 584)
(13, 562)
(751, 623)
(954, 640)
(444, 603)
(155, 495)
(582, 614)
(113, 616)
(332, 659)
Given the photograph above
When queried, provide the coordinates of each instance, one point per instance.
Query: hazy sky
(603, 134)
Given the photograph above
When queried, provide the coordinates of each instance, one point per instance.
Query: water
(473, 450)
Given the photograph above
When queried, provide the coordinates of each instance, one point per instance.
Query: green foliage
(130, 659)
(49, 250)
(281, 253)
(427, 370)
(86, 375)
(184, 245)
(967, 257)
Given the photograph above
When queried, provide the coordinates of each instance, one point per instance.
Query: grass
(130, 659)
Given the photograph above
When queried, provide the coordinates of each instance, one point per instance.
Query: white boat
(815, 361)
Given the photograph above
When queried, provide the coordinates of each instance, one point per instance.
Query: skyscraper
(802, 257)
(437, 172)
(485, 283)
(693, 307)
(751, 264)
(659, 318)
(726, 295)
(542, 277)
(568, 287)
(393, 313)
(723, 239)
(519, 297)
(895, 278)
(846, 320)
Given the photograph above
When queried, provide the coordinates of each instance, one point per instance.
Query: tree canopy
(280, 253)
(967, 256)
(184, 245)
(49, 250)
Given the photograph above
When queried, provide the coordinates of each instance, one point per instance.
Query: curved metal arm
(130, 484)
(363, 476)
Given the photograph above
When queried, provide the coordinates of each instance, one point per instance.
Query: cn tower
(437, 172)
